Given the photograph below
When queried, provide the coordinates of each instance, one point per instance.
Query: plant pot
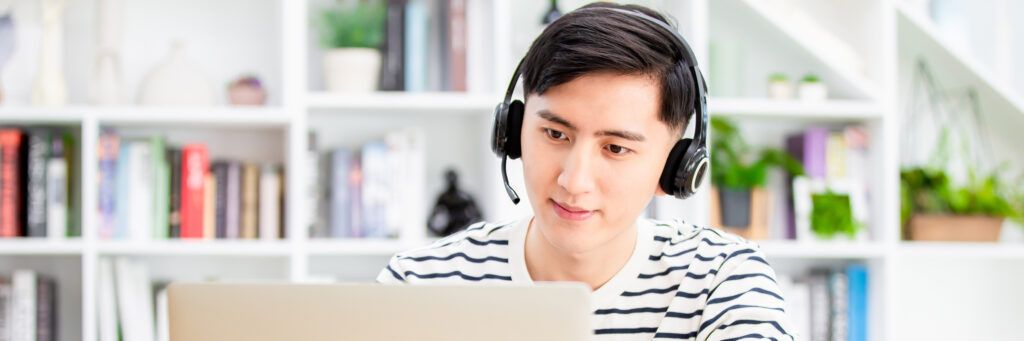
(780, 90)
(938, 227)
(813, 91)
(352, 69)
(757, 207)
(737, 204)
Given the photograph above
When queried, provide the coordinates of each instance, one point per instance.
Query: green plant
(831, 214)
(358, 25)
(730, 167)
(810, 78)
(778, 77)
(929, 190)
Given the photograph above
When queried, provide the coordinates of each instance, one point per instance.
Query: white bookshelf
(458, 126)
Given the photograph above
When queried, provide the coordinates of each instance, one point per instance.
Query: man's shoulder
(677, 237)
(476, 237)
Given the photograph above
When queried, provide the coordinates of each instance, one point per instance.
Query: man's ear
(658, 192)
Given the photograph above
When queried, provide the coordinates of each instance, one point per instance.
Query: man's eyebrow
(623, 134)
(550, 116)
(628, 135)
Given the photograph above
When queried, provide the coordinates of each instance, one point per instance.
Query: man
(608, 96)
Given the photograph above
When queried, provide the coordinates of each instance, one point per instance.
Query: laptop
(256, 312)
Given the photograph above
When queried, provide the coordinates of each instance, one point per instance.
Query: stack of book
(148, 190)
(37, 182)
(374, 191)
(425, 46)
(28, 307)
(828, 304)
(131, 305)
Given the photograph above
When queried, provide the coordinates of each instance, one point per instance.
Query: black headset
(687, 162)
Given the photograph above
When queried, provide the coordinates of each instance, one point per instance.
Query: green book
(161, 188)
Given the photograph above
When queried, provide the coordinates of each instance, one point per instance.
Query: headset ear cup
(513, 147)
(498, 130)
(673, 166)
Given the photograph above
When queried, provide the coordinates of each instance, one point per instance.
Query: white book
(269, 209)
(163, 329)
(56, 198)
(23, 318)
(128, 314)
(415, 199)
(107, 301)
(144, 301)
(141, 180)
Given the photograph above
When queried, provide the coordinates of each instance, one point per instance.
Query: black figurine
(454, 209)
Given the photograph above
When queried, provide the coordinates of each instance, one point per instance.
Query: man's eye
(618, 150)
(555, 134)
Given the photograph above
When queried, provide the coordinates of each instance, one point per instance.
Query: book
(174, 202)
(269, 198)
(35, 201)
(140, 191)
(857, 306)
(6, 308)
(73, 159)
(122, 190)
(250, 201)
(417, 28)
(193, 175)
(107, 301)
(456, 28)
(341, 205)
(392, 75)
(161, 187)
(209, 206)
(220, 174)
(57, 183)
(838, 304)
(23, 316)
(10, 188)
(820, 309)
(46, 309)
(234, 202)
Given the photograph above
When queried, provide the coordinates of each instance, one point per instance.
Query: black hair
(592, 41)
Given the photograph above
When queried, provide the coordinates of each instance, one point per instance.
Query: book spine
(10, 205)
(38, 153)
(341, 206)
(23, 319)
(220, 174)
(161, 187)
(457, 44)
(209, 206)
(268, 210)
(193, 175)
(234, 203)
(815, 141)
(46, 309)
(250, 200)
(123, 190)
(392, 73)
(6, 306)
(141, 179)
(109, 148)
(174, 204)
(57, 181)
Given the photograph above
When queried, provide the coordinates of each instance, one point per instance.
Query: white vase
(816, 91)
(352, 69)
(176, 82)
(780, 90)
(50, 88)
(107, 87)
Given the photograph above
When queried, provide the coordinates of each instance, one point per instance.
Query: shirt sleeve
(745, 302)
(392, 273)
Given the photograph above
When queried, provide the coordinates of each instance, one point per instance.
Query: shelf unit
(459, 126)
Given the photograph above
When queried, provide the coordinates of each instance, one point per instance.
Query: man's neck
(545, 262)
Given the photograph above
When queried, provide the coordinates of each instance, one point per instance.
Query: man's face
(593, 150)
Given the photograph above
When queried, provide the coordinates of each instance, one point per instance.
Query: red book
(194, 163)
(457, 44)
(10, 198)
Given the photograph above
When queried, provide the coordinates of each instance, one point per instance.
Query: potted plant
(812, 89)
(935, 209)
(779, 86)
(739, 200)
(352, 37)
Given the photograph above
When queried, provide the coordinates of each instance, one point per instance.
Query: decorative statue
(454, 210)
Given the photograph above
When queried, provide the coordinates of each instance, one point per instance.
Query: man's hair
(593, 41)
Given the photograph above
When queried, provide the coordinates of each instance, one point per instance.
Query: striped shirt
(681, 282)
